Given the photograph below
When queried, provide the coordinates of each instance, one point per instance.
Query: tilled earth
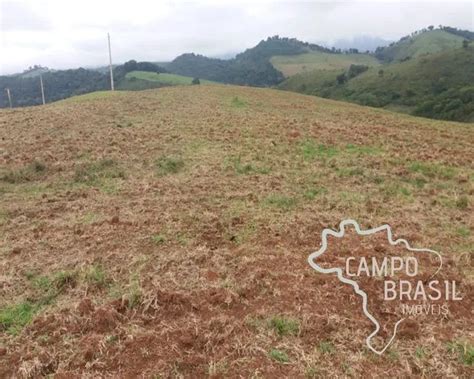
(166, 233)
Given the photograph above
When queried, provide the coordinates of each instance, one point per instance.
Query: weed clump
(464, 350)
(95, 276)
(238, 103)
(29, 173)
(247, 168)
(14, 317)
(284, 326)
(169, 165)
(281, 201)
(326, 347)
(92, 172)
(279, 356)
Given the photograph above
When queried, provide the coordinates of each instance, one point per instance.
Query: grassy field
(165, 233)
(425, 43)
(295, 64)
(164, 78)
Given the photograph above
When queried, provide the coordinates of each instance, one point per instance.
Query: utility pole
(110, 65)
(9, 97)
(42, 89)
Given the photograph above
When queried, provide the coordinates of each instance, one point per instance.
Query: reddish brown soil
(197, 262)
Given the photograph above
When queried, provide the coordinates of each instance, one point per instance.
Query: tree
(465, 43)
(431, 27)
(196, 81)
(381, 72)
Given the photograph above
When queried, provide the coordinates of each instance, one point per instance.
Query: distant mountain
(229, 55)
(361, 43)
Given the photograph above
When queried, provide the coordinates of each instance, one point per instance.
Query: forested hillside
(436, 86)
(26, 90)
(252, 67)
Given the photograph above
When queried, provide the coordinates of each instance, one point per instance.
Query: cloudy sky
(65, 34)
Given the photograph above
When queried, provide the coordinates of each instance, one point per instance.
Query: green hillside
(422, 43)
(251, 67)
(318, 60)
(164, 78)
(437, 85)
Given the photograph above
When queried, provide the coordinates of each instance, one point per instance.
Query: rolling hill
(423, 43)
(139, 80)
(251, 67)
(427, 74)
(318, 60)
(165, 233)
(164, 78)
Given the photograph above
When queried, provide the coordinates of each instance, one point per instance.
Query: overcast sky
(67, 34)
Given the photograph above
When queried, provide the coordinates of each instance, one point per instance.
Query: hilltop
(428, 73)
(166, 233)
(420, 43)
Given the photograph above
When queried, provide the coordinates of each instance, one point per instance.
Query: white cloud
(62, 34)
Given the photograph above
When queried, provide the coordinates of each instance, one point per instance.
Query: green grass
(310, 150)
(246, 168)
(464, 350)
(28, 173)
(326, 347)
(95, 96)
(95, 276)
(433, 170)
(94, 173)
(425, 43)
(312, 193)
(42, 283)
(236, 102)
(463, 231)
(420, 352)
(462, 202)
(134, 291)
(14, 317)
(279, 356)
(158, 239)
(284, 326)
(164, 78)
(294, 64)
(169, 165)
(281, 201)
